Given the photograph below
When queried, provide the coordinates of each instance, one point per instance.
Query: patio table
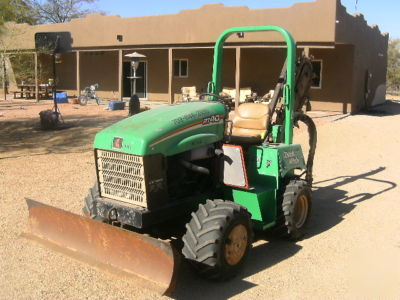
(28, 91)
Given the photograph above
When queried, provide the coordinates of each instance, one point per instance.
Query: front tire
(82, 100)
(296, 207)
(218, 239)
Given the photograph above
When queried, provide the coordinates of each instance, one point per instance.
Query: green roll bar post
(288, 89)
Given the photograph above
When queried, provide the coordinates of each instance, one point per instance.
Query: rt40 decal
(212, 119)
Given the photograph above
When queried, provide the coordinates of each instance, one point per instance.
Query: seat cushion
(250, 120)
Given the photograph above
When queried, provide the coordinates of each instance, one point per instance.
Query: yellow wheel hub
(236, 244)
(300, 211)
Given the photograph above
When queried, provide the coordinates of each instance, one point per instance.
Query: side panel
(290, 158)
(260, 203)
(266, 166)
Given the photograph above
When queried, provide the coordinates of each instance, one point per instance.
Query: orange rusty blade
(144, 260)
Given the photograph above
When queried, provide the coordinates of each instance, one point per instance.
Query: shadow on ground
(21, 137)
(389, 108)
(17, 105)
(261, 257)
(330, 204)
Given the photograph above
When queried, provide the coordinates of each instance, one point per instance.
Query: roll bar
(288, 89)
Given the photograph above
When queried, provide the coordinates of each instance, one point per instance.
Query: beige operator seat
(249, 123)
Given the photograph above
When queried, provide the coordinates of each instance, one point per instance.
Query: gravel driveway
(352, 248)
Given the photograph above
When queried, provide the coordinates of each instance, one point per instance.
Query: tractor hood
(167, 130)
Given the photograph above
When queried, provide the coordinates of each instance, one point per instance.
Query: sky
(384, 13)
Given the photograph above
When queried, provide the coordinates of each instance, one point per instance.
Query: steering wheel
(202, 95)
(227, 101)
(223, 99)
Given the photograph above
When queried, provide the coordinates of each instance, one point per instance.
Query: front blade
(144, 260)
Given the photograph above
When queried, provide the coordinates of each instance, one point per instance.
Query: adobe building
(350, 57)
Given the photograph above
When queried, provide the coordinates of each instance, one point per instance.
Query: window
(181, 68)
(317, 80)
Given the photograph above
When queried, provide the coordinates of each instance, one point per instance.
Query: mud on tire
(218, 239)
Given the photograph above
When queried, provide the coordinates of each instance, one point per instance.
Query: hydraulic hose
(312, 133)
(194, 167)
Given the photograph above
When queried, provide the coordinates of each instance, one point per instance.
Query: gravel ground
(352, 249)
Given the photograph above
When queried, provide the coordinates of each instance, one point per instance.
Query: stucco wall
(200, 71)
(101, 68)
(260, 68)
(201, 25)
(370, 55)
(323, 23)
(66, 72)
(157, 73)
(200, 68)
(336, 89)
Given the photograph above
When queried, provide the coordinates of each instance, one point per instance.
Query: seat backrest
(250, 120)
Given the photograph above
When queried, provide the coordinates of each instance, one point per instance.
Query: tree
(18, 11)
(8, 43)
(393, 70)
(61, 11)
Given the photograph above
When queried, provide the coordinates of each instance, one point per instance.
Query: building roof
(319, 22)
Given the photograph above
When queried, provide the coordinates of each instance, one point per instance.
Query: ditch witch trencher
(192, 180)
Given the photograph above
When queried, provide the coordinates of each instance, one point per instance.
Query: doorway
(141, 83)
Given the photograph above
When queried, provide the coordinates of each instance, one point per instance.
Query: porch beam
(120, 62)
(78, 73)
(170, 91)
(36, 77)
(237, 77)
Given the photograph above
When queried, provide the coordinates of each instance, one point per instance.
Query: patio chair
(189, 93)
(244, 93)
(231, 92)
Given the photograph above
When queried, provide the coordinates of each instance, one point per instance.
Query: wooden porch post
(120, 73)
(170, 91)
(307, 51)
(78, 73)
(237, 77)
(36, 77)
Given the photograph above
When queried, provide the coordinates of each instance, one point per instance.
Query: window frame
(320, 74)
(180, 67)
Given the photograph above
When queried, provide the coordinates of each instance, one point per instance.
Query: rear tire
(218, 239)
(296, 208)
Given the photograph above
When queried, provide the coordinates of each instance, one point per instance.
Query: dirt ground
(352, 249)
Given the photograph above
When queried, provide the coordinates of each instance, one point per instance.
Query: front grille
(121, 177)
